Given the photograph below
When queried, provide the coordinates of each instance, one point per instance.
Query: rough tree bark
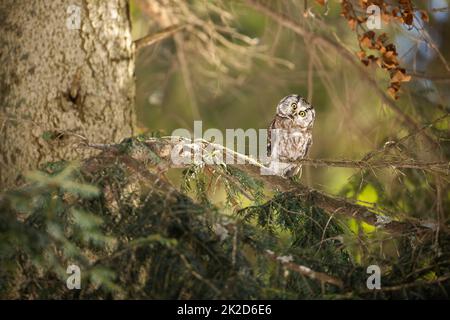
(59, 77)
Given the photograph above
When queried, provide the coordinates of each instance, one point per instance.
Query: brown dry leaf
(395, 12)
(366, 42)
(393, 89)
(392, 92)
(367, 39)
(408, 18)
(383, 37)
(390, 60)
(424, 16)
(378, 45)
(388, 65)
(395, 85)
(321, 2)
(352, 24)
(361, 54)
(372, 58)
(370, 34)
(379, 62)
(400, 76)
(386, 56)
(389, 55)
(391, 47)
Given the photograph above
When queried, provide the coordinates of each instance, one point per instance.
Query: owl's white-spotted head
(298, 109)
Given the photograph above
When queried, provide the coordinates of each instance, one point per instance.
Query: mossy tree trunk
(67, 69)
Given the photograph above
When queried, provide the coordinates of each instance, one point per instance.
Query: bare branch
(156, 37)
(429, 77)
(168, 148)
(407, 164)
(305, 271)
(415, 284)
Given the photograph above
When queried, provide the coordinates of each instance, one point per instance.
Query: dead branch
(305, 271)
(156, 37)
(434, 78)
(185, 152)
(414, 284)
(361, 164)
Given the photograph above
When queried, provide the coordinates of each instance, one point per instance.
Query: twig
(429, 77)
(166, 147)
(408, 164)
(305, 271)
(197, 275)
(392, 144)
(154, 9)
(414, 284)
(156, 37)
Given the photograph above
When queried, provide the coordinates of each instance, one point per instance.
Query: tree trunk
(67, 69)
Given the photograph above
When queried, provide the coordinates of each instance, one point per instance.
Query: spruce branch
(166, 147)
(440, 166)
(305, 271)
(153, 38)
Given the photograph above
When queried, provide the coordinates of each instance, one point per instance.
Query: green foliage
(306, 233)
(43, 228)
(133, 239)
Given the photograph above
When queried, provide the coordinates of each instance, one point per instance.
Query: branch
(414, 284)
(429, 77)
(305, 271)
(361, 164)
(156, 37)
(185, 150)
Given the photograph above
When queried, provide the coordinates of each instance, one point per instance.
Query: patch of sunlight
(353, 226)
(367, 228)
(244, 201)
(358, 258)
(430, 276)
(443, 124)
(368, 196)
(338, 180)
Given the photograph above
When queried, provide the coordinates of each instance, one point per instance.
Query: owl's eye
(302, 114)
(294, 106)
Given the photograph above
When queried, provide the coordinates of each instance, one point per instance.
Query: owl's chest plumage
(288, 140)
(293, 144)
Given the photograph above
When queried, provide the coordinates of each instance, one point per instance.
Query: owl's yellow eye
(302, 114)
(294, 106)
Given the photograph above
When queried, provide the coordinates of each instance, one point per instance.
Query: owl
(290, 135)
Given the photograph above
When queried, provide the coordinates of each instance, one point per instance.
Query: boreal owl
(290, 135)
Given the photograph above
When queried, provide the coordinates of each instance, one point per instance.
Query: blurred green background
(233, 84)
